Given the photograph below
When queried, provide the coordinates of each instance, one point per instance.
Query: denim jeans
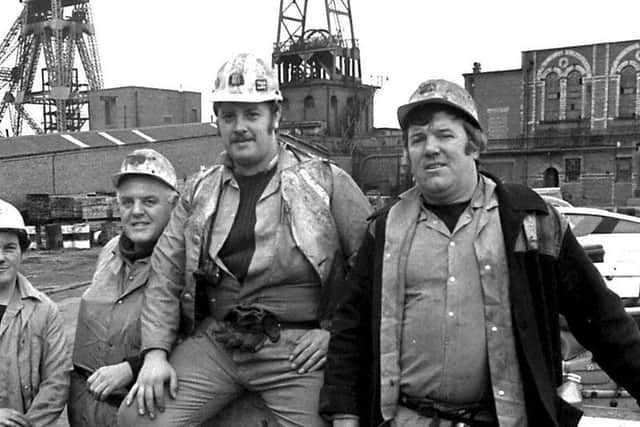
(210, 377)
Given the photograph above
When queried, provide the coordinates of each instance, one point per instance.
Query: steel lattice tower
(327, 59)
(55, 30)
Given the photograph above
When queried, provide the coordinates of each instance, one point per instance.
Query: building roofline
(581, 45)
(146, 87)
(493, 72)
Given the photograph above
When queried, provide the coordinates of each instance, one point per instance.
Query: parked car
(619, 236)
(557, 202)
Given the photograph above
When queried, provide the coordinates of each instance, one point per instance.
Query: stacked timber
(44, 208)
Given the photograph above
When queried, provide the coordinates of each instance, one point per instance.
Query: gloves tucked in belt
(248, 328)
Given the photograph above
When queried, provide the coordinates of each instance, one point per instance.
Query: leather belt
(474, 415)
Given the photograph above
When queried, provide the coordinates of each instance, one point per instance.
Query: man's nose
(137, 208)
(431, 145)
(240, 126)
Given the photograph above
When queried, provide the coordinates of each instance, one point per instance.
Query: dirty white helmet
(443, 92)
(246, 78)
(11, 220)
(146, 161)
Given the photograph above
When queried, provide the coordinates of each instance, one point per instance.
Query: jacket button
(187, 296)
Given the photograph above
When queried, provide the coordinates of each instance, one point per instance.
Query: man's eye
(126, 202)
(150, 202)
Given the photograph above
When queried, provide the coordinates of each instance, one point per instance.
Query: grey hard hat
(146, 161)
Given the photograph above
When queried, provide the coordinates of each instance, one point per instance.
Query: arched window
(335, 124)
(574, 96)
(309, 106)
(552, 97)
(628, 89)
(550, 177)
(309, 102)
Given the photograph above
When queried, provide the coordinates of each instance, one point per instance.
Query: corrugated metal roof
(51, 143)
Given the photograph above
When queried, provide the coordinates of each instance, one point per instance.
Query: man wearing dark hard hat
(247, 275)
(106, 354)
(451, 314)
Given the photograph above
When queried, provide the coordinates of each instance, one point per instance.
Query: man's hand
(12, 418)
(109, 378)
(148, 390)
(310, 353)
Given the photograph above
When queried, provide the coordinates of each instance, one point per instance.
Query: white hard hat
(146, 161)
(246, 78)
(11, 220)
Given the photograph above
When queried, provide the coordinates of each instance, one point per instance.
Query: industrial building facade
(569, 118)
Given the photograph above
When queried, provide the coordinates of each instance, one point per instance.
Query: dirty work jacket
(34, 356)
(326, 212)
(549, 274)
(108, 330)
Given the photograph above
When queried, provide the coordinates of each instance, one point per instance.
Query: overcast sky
(173, 44)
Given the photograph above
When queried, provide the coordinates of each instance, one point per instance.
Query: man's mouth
(432, 166)
(233, 141)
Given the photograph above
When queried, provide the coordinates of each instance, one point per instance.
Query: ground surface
(65, 274)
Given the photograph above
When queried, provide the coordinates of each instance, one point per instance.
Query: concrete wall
(131, 107)
(90, 170)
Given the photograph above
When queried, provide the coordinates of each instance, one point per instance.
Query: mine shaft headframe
(302, 53)
(58, 29)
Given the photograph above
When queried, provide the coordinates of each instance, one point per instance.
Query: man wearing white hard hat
(451, 313)
(34, 354)
(249, 270)
(106, 354)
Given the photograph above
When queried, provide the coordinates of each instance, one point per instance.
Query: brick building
(134, 106)
(569, 117)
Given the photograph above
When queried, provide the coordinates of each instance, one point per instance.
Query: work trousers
(83, 410)
(210, 377)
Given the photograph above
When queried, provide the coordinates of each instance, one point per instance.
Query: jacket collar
(27, 290)
(22, 301)
(519, 198)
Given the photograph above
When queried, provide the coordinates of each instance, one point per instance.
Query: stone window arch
(628, 90)
(552, 97)
(574, 96)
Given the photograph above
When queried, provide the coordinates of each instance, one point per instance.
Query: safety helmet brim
(243, 97)
(404, 110)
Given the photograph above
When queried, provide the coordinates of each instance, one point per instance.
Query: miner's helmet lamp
(246, 78)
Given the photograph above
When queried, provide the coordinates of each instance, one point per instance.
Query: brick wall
(90, 170)
(498, 96)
